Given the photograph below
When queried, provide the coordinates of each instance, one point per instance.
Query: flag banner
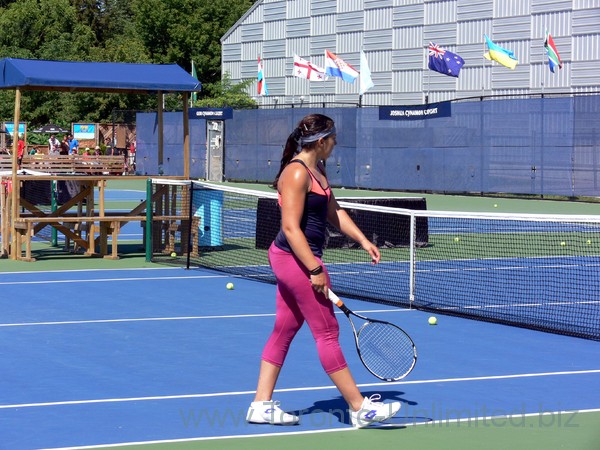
(444, 61)
(262, 84)
(553, 57)
(308, 70)
(365, 80)
(337, 67)
(505, 57)
(194, 95)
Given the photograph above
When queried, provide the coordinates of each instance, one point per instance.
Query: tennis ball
(173, 255)
(456, 239)
(589, 242)
(563, 243)
(495, 205)
(229, 286)
(432, 320)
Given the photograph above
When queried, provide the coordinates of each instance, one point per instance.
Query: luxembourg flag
(337, 67)
(262, 84)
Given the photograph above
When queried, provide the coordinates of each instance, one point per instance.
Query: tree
(141, 31)
(177, 31)
(225, 94)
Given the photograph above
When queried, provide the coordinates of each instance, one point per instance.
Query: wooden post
(186, 138)
(101, 192)
(15, 248)
(160, 131)
(4, 220)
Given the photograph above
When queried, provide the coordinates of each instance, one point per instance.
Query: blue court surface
(109, 357)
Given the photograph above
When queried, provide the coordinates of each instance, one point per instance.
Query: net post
(412, 251)
(190, 241)
(54, 206)
(149, 220)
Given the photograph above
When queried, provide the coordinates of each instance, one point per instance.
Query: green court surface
(566, 430)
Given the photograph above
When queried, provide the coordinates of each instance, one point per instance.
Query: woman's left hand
(372, 250)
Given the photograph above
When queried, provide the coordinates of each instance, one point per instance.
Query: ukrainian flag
(505, 57)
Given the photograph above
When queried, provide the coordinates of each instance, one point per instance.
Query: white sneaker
(372, 411)
(269, 412)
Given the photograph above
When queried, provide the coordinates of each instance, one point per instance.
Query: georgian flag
(308, 70)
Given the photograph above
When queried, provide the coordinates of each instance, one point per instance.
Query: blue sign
(84, 130)
(10, 127)
(210, 113)
(415, 112)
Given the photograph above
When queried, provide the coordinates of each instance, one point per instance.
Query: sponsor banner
(211, 113)
(415, 112)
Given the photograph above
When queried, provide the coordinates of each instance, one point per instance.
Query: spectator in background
(131, 155)
(20, 150)
(64, 145)
(53, 145)
(73, 145)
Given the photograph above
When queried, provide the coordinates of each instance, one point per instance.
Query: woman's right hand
(319, 282)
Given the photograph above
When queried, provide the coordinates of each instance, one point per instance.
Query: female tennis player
(307, 204)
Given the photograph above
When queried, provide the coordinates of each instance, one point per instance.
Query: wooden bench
(108, 225)
(170, 225)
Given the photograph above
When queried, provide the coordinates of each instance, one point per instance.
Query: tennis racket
(384, 348)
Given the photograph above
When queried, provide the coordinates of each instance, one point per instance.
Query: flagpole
(428, 80)
(483, 74)
(543, 57)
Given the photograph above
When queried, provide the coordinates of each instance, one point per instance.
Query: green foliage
(225, 94)
(143, 31)
(177, 31)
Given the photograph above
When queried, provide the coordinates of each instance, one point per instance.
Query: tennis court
(109, 354)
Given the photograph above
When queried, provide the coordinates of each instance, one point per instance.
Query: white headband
(315, 137)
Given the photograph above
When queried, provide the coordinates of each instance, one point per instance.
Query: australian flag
(443, 61)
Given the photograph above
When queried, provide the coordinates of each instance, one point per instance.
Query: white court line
(302, 389)
(160, 319)
(432, 423)
(144, 319)
(111, 280)
(92, 270)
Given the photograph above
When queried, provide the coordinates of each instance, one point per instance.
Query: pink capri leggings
(297, 301)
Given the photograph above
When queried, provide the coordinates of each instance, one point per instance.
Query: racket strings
(386, 350)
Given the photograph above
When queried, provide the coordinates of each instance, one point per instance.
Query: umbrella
(51, 128)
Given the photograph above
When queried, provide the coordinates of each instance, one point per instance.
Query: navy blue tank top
(314, 218)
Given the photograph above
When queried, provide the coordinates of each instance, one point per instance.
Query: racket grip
(335, 299)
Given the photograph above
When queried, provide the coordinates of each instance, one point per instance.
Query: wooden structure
(23, 75)
(82, 216)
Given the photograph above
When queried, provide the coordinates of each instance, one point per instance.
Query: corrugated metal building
(394, 34)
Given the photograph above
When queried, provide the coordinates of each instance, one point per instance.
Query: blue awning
(31, 74)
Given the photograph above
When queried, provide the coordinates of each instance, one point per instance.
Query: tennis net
(534, 271)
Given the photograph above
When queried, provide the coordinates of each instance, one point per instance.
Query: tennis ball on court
(563, 243)
(229, 286)
(495, 205)
(432, 320)
(589, 242)
(173, 255)
(456, 239)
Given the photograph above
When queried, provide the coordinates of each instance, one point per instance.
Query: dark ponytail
(309, 125)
